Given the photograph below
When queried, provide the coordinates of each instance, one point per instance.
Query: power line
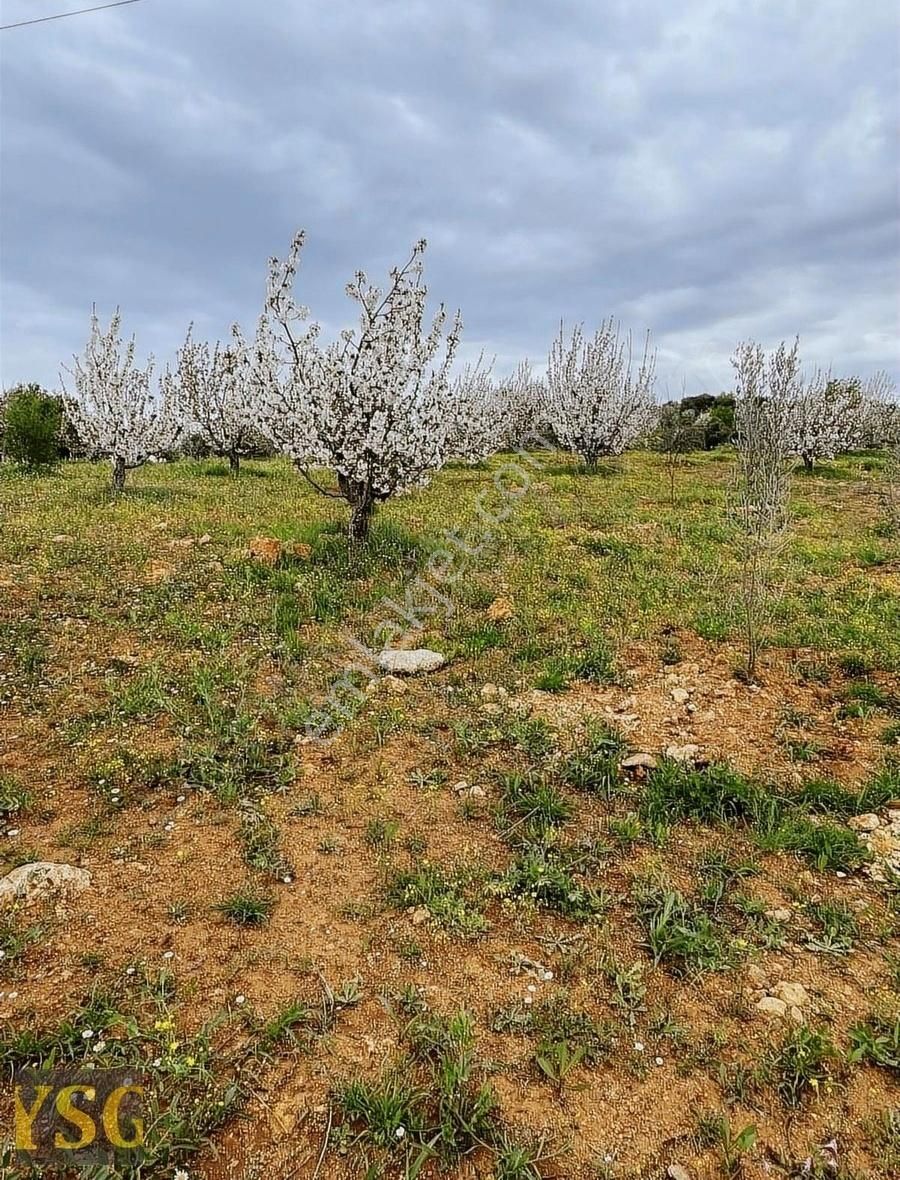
(60, 15)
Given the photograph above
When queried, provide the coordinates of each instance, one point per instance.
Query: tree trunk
(234, 462)
(360, 519)
(118, 473)
(359, 496)
(808, 462)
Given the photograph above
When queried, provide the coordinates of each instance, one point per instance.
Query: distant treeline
(711, 415)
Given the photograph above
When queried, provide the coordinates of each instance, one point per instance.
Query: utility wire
(60, 15)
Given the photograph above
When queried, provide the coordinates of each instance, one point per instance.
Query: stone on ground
(409, 663)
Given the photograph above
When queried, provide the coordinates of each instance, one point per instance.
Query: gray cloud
(710, 170)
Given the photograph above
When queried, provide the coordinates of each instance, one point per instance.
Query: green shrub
(32, 422)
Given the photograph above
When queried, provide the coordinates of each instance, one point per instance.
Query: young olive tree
(597, 402)
(375, 405)
(766, 390)
(676, 434)
(215, 395)
(114, 407)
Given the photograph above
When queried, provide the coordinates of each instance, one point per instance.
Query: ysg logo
(77, 1116)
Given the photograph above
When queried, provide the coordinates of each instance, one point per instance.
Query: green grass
(139, 670)
(449, 897)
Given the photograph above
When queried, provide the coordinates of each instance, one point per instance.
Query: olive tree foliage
(675, 435)
(216, 398)
(598, 402)
(117, 409)
(766, 390)
(375, 405)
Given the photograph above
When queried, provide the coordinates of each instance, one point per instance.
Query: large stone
(265, 550)
(772, 1006)
(794, 995)
(686, 753)
(43, 881)
(409, 663)
(864, 823)
(641, 761)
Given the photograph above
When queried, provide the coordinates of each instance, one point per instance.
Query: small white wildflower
(181, 799)
(528, 1000)
(13, 832)
(400, 1132)
(639, 1046)
(658, 1060)
(129, 971)
(240, 999)
(168, 954)
(87, 1034)
(169, 826)
(180, 1174)
(532, 988)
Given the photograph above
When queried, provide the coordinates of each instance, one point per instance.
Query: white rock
(794, 995)
(779, 915)
(680, 695)
(641, 761)
(408, 663)
(772, 1006)
(864, 823)
(677, 1172)
(683, 753)
(41, 880)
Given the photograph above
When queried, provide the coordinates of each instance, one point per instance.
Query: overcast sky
(708, 169)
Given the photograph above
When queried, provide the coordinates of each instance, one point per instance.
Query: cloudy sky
(710, 169)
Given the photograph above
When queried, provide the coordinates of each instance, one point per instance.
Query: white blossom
(216, 396)
(523, 398)
(477, 414)
(374, 405)
(826, 417)
(115, 408)
(597, 403)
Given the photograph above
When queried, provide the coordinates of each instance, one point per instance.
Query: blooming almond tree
(826, 417)
(375, 405)
(477, 416)
(114, 408)
(216, 396)
(597, 403)
(523, 401)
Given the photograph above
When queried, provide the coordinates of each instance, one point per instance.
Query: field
(457, 937)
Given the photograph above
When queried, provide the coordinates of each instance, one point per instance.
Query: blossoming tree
(216, 396)
(114, 406)
(375, 405)
(826, 417)
(598, 403)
